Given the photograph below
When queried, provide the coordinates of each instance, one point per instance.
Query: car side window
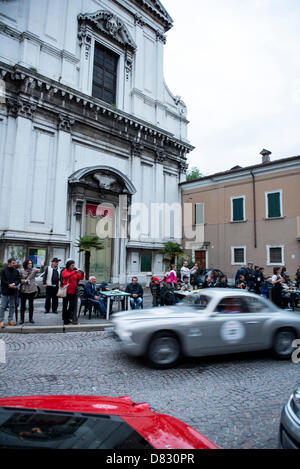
(231, 305)
(255, 305)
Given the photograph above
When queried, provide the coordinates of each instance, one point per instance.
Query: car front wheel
(283, 343)
(163, 351)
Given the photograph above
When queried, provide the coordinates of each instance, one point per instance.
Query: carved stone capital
(20, 107)
(161, 37)
(138, 20)
(160, 156)
(137, 149)
(183, 167)
(65, 123)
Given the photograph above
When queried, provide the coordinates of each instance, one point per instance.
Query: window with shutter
(146, 262)
(238, 209)
(274, 205)
(105, 74)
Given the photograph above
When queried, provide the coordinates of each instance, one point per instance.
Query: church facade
(92, 141)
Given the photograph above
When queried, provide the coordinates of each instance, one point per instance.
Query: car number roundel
(232, 331)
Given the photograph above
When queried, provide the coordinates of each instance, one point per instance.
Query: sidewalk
(52, 323)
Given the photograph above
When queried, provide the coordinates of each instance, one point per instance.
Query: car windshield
(30, 429)
(197, 301)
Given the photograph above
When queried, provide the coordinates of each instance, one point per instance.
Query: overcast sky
(236, 64)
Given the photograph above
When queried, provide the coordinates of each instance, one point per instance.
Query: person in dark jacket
(10, 281)
(51, 280)
(297, 278)
(222, 282)
(208, 282)
(250, 277)
(155, 290)
(167, 297)
(136, 293)
(241, 283)
(91, 293)
(241, 271)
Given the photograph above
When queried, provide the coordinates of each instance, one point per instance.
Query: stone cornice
(45, 89)
(20, 108)
(166, 106)
(156, 9)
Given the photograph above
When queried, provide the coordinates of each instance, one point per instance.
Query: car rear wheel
(163, 351)
(283, 344)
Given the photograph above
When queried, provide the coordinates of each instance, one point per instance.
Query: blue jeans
(136, 303)
(13, 299)
(101, 304)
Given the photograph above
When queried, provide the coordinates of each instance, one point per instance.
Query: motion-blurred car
(289, 434)
(209, 322)
(83, 422)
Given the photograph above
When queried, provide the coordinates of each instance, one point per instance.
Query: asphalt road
(235, 401)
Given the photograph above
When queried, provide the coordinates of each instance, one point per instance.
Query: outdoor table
(112, 295)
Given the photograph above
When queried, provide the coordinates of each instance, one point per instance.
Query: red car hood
(161, 431)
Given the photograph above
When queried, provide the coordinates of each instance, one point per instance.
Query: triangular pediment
(108, 24)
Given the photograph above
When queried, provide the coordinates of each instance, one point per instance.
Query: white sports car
(208, 322)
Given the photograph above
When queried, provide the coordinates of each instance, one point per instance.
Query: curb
(55, 329)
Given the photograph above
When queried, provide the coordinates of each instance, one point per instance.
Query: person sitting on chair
(91, 293)
(136, 293)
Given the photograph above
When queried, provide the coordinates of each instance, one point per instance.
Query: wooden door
(200, 257)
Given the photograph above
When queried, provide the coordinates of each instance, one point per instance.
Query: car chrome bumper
(289, 434)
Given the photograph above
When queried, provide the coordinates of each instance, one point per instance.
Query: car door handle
(253, 322)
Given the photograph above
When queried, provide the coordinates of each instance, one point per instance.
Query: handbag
(62, 292)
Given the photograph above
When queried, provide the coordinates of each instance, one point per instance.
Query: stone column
(63, 172)
(7, 170)
(116, 250)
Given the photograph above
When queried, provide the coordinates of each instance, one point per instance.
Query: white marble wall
(43, 35)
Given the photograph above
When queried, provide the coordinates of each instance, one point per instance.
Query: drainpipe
(254, 209)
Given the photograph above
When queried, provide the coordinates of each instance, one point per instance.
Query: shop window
(37, 256)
